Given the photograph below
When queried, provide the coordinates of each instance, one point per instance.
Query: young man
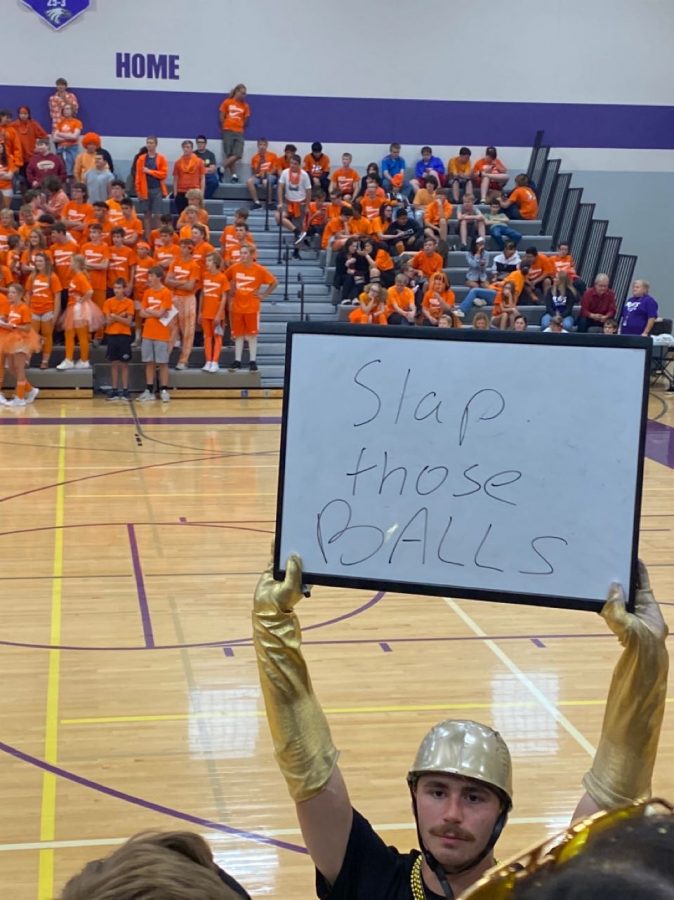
(263, 168)
(393, 173)
(345, 181)
(98, 180)
(489, 174)
(294, 194)
(151, 173)
(470, 220)
(155, 307)
(188, 172)
(207, 157)
(245, 297)
(42, 164)
(498, 224)
(59, 99)
(78, 213)
(183, 279)
(460, 782)
(428, 168)
(114, 204)
(317, 167)
(133, 229)
(427, 261)
(119, 314)
(541, 273)
(97, 256)
(122, 262)
(459, 173)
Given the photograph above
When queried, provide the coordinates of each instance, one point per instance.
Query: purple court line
(660, 443)
(150, 420)
(147, 804)
(387, 648)
(228, 651)
(140, 587)
(112, 524)
(537, 642)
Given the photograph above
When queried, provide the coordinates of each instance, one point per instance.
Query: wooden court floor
(129, 554)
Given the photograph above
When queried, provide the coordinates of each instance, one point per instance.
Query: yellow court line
(333, 711)
(45, 889)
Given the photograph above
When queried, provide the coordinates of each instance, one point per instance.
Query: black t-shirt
(207, 156)
(371, 870)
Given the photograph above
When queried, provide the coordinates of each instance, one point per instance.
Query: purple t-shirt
(636, 313)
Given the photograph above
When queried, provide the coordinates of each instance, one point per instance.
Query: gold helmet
(463, 747)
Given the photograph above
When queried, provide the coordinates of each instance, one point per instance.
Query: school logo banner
(58, 13)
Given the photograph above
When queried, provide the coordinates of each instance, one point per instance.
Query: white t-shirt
(295, 188)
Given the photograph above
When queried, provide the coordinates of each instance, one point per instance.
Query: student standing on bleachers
(597, 304)
(213, 310)
(99, 179)
(211, 164)
(59, 99)
(81, 315)
(234, 116)
(66, 137)
(188, 172)
(150, 182)
(489, 174)
(263, 169)
(28, 131)
(183, 281)
(7, 172)
(246, 278)
(11, 140)
(640, 311)
(42, 164)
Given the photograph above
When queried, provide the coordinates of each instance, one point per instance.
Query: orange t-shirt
(541, 266)
(115, 307)
(184, 271)
(143, 266)
(154, 238)
(496, 164)
(199, 253)
(518, 280)
(78, 286)
(5, 278)
(18, 314)
(428, 265)
(5, 234)
(62, 255)
(564, 264)
(526, 201)
(121, 261)
(261, 166)
(404, 299)
(202, 218)
(77, 214)
(432, 213)
(234, 114)
(335, 226)
(361, 225)
(383, 261)
(230, 241)
(456, 166)
(96, 253)
(153, 329)
(43, 289)
(233, 252)
(188, 174)
(432, 305)
(215, 287)
(345, 180)
(68, 126)
(114, 213)
(370, 207)
(133, 229)
(165, 256)
(316, 167)
(247, 281)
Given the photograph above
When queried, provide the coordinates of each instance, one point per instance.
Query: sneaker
(346, 302)
(206, 367)
(235, 178)
(253, 366)
(65, 364)
(215, 366)
(164, 396)
(235, 366)
(300, 238)
(180, 366)
(32, 394)
(3, 400)
(82, 364)
(296, 254)
(16, 402)
(458, 312)
(479, 302)
(146, 397)
(126, 395)
(256, 205)
(113, 395)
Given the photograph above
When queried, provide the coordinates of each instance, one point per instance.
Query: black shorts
(119, 348)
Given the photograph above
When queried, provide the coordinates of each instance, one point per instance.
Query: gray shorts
(154, 351)
(153, 205)
(232, 143)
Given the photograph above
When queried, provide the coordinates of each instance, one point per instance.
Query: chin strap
(438, 869)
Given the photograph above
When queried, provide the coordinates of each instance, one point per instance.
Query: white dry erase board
(456, 462)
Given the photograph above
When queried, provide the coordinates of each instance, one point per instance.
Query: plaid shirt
(56, 104)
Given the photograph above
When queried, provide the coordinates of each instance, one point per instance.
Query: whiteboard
(491, 466)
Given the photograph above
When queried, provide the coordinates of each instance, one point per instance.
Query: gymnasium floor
(130, 550)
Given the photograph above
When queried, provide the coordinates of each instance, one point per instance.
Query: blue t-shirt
(150, 162)
(434, 163)
(391, 166)
(636, 313)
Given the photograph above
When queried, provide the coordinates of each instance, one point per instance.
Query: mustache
(454, 832)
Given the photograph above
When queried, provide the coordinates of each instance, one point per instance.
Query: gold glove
(299, 729)
(623, 764)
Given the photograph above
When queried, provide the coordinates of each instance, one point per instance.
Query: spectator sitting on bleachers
(480, 296)
(555, 326)
(505, 262)
(439, 301)
(317, 167)
(610, 326)
(499, 229)
(597, 304)
(352, 268)
(188, 172)
(478, 261)
(427, 261)
(639, 312)
(371, 172)
(437, 214)
(429, 168)
(470, 220)
(459, 174)
(521, 203)
(382, 260)
(519, 323)
(564, 262)
(505, 307)
(7, 172)
(344, 181)
(7, 227)
(541, 273)
(59, 99)
(381, 223)
(360, 223)
(401, 306)
(393, 178)
(211, 164)
(489, 174)
(42, 164)
(372, 199)
(368, 302)
(317, 217)
(406, 231)
(234, 115)
(481, 321)
(28, 130)
(98, 180)
(337, 231)
(283, 162)
(66, 137)
(559, 301)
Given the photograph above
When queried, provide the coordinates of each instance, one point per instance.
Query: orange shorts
(242, 324)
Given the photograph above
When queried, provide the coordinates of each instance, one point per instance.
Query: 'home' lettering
(159, 66)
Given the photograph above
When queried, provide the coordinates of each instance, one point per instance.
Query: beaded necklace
(416, 881)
